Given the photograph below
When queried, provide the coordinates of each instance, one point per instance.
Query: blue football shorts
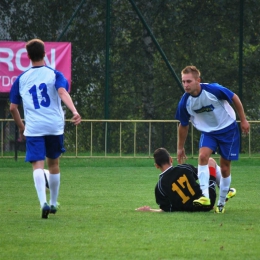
(39, 147)
(227, 144)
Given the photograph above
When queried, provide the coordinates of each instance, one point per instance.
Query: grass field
(97, 219)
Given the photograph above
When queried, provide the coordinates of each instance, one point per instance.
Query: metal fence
(122, 139)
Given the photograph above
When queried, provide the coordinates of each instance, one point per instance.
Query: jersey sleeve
(219, 91)
(15, 97)
(182, 114)
(61, 81)
(162, 200)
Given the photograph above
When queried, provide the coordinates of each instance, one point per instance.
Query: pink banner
(14, 61)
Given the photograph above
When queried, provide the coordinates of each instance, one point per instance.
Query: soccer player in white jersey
(41, 90)
(208, 108)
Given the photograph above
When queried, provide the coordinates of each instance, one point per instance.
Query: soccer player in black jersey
(177, 187)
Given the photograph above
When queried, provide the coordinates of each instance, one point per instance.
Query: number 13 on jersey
(45, 101)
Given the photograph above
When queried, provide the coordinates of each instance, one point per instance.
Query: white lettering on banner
(6, 81)
(18, 60)
(8, 59)
(51, 64)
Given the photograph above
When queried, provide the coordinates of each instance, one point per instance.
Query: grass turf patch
(97, 219)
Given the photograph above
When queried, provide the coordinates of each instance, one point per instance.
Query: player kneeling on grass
(177, 187)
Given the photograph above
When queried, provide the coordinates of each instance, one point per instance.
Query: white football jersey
(209, 111)
(38, 90)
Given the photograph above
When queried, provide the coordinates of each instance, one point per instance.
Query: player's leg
(224, 184)
(54, 148)
(232, 191)
(40, 185)
(212, 181)
(229, 144)
(203, 176)
(218, 174)
(211, 186)
(46, 176)
(35, 153)
(54, 182)
(203, 170)
(39, 181)
(206, 145)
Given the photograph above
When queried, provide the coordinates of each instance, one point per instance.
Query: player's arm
(148, 208)
(240, 110)
(17, 118)
(182, 135)
(66, 98)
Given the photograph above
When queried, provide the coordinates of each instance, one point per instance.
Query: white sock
(39, 182)
(218, 175)
(203, 175)
(223, 189)
(54, 184)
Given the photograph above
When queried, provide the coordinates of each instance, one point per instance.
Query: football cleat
(202, 201)
(45, 210)
(53, 209)
(231, 193)
(220, 209)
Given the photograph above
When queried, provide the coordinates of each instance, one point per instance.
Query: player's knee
(203, 159)
(225, 171)
(212, 162)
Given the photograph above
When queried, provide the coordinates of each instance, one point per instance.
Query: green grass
(97, 219)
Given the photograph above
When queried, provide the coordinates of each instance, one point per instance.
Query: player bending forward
(207, 107)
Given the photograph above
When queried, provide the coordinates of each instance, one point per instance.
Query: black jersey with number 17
(177, 188)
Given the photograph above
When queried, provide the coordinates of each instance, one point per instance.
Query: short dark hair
(35, 49)
(161, 156)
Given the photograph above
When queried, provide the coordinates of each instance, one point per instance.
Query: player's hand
(245, 126)
(76, 119)
(144, 208)
(21, 135)
(181, 156)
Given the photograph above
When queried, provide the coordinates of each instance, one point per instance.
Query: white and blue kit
(38, 88)
(211, 113)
